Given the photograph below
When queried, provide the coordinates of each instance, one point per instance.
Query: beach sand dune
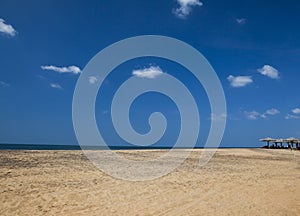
(234, 182)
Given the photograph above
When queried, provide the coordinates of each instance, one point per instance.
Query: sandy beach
(234, 182)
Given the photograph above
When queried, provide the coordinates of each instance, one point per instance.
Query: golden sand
(234, 182)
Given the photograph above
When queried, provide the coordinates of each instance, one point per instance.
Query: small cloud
(93, 79)
(272, 111)
(215, 117)
(263, 116)
(241, 21)
(269, 71)
(6, 28)
(70, 69)
(253, 115)
(296, 111)
(150, 73)
(4, 84)
(55, 85)
(289, 116)
(186, 7)
(239, 81)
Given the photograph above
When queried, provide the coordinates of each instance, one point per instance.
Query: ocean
(77, 147)
(71, 147)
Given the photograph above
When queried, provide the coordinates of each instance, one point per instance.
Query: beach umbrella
(281, 141)
(268, 140)
(290, 141)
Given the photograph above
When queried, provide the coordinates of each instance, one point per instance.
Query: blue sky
(253, 46)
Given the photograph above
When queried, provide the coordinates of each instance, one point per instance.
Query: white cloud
(289, 116)
(241, 21)
(253, 115)
(269, 71)
(55, 85)
(272, 111)
(296, 111)
(4, 84)
(185, 7)
(70, 69)
(150, 73)
(6, 28)
(263, 116)
(239, 81)
(215, 117)
(93, 79)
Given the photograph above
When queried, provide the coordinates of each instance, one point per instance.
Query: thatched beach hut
(267, 140)
(289, 141)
